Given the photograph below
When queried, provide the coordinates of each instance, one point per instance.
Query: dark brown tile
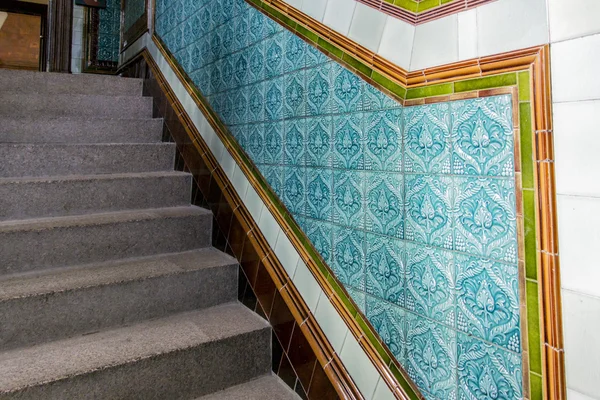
(250, 261)
(276, 352)
(237, 237)
(198, 198)
(320, 386)
(219, 240)
(224, 216)
(300, 390)
(301, 356)
(286, 372)
(265, 289)
(282, 320)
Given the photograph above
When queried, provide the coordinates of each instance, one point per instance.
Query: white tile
(467, 34)
(338, 15)
(507, 25)
(383, 391)
(575, 65)
(436, 43)
(359, 366)
(397, 42)
(574, 395)
(254, 203)
(314, 8)
(332, 324)
(581, 324)
(227, 163)
(286, 253)
(269, 227)
(573, 18)
(295, 3)
(367, 26)
(307, 285)
(577, 145)
(240, 182)
(579, 235)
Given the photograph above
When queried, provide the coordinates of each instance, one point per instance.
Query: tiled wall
(575, 36)
(77, 55)
(413, 208)
(109, 31)
(134, 9)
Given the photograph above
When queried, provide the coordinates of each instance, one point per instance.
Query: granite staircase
(109, 286)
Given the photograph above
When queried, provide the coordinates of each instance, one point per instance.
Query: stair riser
(70, 313)
(56, 160)
(65, 130)
(179, 375)
(51, 84)
(60, 198)
(13, 105)
(80, 244)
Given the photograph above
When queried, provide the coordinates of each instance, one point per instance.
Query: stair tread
(101, 274)
(75, 356)
(90, 177)
(265, 387)
(40, 224)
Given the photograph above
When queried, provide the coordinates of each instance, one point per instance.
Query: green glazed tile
(430, 91)
(537, 390)
(527, 163)
(353, 62)
(325, 45)
(393, 87)
(403, 382)
(524, 89)
(373, 340)
(409, 5)
(427, 4)
(533, 327)
(348, 303)
(530, 234)
(446, 1)
(486, 83)
(313, 37)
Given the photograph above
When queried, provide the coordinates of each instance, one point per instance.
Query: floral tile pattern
(412, 208)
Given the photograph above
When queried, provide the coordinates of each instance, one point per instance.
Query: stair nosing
(92, 177)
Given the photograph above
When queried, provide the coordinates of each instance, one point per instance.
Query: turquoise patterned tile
(319, 95)
(348, 199)
(347, 90)
(486, 218)
(256, 23)
(240, 133)
(274, 176)
(294, 189)
(486, 371)
(274, 143)
(429, 208)
(488, 301)
(427, 139)
(256, 102)
(430, 286)
(431, 357)
(392, 325)
(359, 298)
(376, 100)
(227, 73)
(216, 50)
(294, 99)
(228, 38)
(256, 57)
(240, 73)
(349, 257)
(319, 141)
(274, 99)
(384, 203)
(314, 56)
(385, 268)
(240, 107)
(319, 193)
(383, 148)
(216, 83)
(482, 137)
(348, 140)
(321, 236)
(255, 143)
(274, 56)
(294, 151)
(240, 38)
(295, 53)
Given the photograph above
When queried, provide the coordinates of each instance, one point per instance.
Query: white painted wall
(575, 51)
(77, 41)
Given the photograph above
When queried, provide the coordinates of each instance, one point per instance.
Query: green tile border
(520, 80)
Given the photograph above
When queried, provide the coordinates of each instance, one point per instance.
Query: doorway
(22, 35)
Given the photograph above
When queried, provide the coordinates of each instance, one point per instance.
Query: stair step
(182, 356)
(34, 160)
(56, 83)
(266, 387)
(22, 198)
(42, 243)
(77, 105)
(35, 129)
(50, 305)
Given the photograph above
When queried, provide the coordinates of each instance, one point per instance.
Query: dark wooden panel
(20, 41)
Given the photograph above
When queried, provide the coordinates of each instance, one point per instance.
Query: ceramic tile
(485, 220)
(274, 56)
(332, 324)
(487, 371)
(295, 142)
(397, 42)
(426, 138)
(256, 62)
(294, 54)
(319, 193)
(273, 153)
(384, 199)
(488, 301)
(348, 142)
(319, 141)
(287, 254)
(430, 283)
(429, 208)
(435, 43)
(482, 137)
(349, 257)
(240, 107)
(240, 70)
(367, 26)
(359, 298)
(314, 8)
(385, 268)
(359, 366)
(319, 91)
(569, 20)
(321, 236)
(274, 99)
(348, 199)
(390, 321)
(431, 357)
(376, 100)
(338, 15)
(255, 144)
(347, 90)
(294, 189)
(274, 176)
(256, 102)
(294, 95)
(383, 147)
(307, 285)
